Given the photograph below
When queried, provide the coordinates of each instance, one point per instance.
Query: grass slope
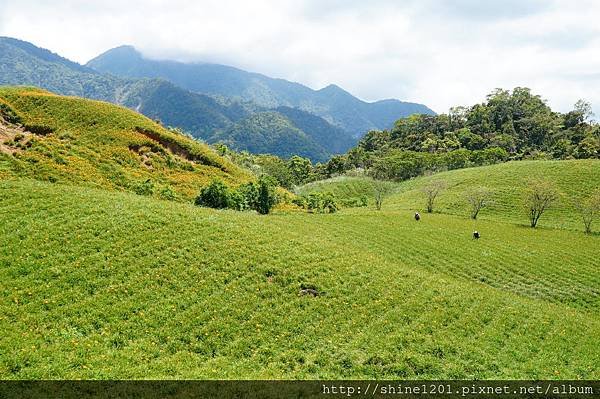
(574, 179)
(343, 187)
(72, 140)
(99, 284)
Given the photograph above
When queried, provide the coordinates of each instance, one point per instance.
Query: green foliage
(145, 187)
(260, 196)
(515, 125)
(215, 195)
(402, 165)
(266, 197)
(300, 169)
(332, 138)
(318, 202)
(8, 114)
(350, 192)
(269, 132)
(360, 202)
(167, 193)
(245, 197)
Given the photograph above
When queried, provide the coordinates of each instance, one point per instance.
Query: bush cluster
(354, 202)
(259, 196)
(317, 202)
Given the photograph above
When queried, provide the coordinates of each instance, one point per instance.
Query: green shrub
(329, 204)
(248, 193)
(41, 130)
(267, 197)
(8, 114)
(354, 202)
(237, 201)
(318, 202)
(300, 201)
(144, 188)
(167, 193)
(215, 195)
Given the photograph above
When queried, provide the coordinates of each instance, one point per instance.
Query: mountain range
(334, 104)
(216, 103)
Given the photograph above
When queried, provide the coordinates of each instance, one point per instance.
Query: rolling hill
(574, 179)
(98, 282)
(334, 104)
(72, 140)
(22, 63)
(110, 285)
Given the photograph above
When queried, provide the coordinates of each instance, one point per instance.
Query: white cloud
(432, 51)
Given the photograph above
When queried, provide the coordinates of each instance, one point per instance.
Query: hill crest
(68, 139)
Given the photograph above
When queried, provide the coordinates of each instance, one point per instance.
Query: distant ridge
(332, 102)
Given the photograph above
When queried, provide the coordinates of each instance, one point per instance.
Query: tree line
(509, 125)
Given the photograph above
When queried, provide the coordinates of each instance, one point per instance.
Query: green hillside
(331, 138)
(110, 285)
(343, 187)
(574, 179)
(272, 133)
(71, 140)
(107, 270)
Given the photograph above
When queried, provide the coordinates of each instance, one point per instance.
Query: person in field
(476, 235)
(417, 216)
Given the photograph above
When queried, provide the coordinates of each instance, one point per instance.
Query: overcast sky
(438, 52)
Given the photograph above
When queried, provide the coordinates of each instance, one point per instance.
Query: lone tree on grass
(267, 196)
(431, 191)
(589, 208)
(478, 198)
(540, 195)
(381, 189)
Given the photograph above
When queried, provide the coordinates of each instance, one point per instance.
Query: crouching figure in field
(417, 216)
(476, 235)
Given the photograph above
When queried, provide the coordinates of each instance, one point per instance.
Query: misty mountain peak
(120, 52)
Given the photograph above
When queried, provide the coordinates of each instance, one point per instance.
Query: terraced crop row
(96, 284)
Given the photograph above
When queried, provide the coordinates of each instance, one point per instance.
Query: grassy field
(76, 141)
(508, 181)
(101, 284)
(343, 187)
